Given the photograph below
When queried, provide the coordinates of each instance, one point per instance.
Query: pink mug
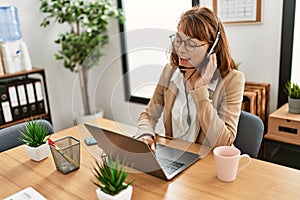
(227, 159)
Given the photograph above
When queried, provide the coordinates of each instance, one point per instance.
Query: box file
(22, 99)
(40, 97)
(19, 81)
(14, 101)
(31, 97)
(34, 96)
(38, 88)
(6, 112)
(5, 104)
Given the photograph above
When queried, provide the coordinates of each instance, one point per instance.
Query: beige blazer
(217, 111)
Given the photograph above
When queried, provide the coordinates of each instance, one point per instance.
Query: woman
(199, 94)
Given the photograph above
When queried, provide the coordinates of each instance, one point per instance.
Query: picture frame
(238, 11)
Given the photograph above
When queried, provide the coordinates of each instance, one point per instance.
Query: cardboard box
(284, 126)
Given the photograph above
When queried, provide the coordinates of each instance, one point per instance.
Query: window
(145, 42)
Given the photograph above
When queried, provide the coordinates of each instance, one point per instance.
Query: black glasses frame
(185, 43)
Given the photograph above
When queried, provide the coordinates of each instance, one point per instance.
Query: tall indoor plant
(88, 23)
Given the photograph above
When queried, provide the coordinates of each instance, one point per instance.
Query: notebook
(166, 163)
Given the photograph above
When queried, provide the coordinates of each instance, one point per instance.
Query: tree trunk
(83, 78)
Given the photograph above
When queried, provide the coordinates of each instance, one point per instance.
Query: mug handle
(246, 164)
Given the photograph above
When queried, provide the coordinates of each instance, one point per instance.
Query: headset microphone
(183, 68)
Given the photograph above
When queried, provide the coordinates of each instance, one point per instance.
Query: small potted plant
(293, 92)
(34, 136)
(111, 177)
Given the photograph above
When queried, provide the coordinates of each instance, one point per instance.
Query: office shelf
(40, 72)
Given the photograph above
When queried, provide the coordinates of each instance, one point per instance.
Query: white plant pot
(80, 119)
(38, 153)
(123, 195)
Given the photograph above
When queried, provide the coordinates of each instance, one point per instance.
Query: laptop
(165, 163)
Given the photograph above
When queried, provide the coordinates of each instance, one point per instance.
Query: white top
(180, 127)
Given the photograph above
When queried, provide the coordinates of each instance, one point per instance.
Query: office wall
(257, 47)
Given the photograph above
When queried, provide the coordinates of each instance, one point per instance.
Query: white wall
(257, 47)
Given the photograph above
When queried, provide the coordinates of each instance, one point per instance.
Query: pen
(70, 160)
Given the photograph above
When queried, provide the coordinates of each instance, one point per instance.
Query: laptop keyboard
(169, 166)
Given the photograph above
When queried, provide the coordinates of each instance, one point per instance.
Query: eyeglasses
(189, 44)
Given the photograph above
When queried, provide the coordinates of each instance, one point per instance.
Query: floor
(283, 154)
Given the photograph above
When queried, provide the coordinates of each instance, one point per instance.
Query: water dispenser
(9, 24)
(14, 53)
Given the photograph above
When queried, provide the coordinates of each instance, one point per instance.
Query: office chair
(9, 137)
(249, 134)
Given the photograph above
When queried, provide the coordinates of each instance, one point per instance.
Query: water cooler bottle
(14, 53)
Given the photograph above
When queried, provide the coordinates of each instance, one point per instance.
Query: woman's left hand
(208, 73)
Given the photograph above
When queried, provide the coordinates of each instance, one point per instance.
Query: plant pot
(294, 105)
(123, 195)
(38, 153)
(80, 118)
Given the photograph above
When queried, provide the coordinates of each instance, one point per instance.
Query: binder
(14, 101)
(22, 99)
(40, 97)
(31, 97)
(5, 104)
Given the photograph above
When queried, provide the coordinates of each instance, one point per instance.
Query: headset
(199, 67)
(207, 53)
(210, 50)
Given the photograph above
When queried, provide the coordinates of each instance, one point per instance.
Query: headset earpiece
(211, 49)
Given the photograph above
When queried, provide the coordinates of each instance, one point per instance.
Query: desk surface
(260, 180)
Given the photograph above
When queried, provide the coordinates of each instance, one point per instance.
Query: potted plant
(293, 92)
(110, 180)
(34, 136)
(88, 23)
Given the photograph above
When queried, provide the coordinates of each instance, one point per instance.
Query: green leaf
(34, 134)
(292, 90)
(111, 176)
(88, 25)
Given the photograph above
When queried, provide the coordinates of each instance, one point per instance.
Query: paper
(27, 193)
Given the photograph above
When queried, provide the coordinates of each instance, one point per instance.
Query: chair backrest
(9, 137)
(249, 134)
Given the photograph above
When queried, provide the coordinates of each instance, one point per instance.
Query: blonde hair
(201, 23)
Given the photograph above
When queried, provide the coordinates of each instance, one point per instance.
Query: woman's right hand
(149, 141)
(207, 75)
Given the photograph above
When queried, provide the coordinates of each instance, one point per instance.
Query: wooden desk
(260, 180)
